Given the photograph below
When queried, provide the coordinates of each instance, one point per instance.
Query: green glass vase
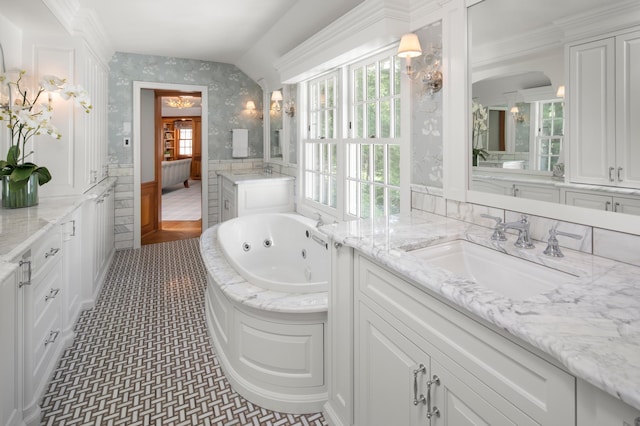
(26, 196)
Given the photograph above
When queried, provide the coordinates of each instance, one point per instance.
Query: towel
(240, 143)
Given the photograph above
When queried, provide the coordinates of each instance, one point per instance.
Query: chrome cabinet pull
(616, 207)
(619, 174)
(52, 294)
(607, 205)
(611, 169)
(226, 204)
(417, 400)
(73, 228)
(434, 412)
(53, 335)
(52, 252)
(28, 282)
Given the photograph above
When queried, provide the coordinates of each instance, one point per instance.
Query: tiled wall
(600, 242)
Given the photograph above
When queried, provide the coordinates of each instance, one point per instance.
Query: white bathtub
(266, 308)
(280, 252)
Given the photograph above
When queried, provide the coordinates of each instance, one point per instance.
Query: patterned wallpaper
(229, 91)
(426, 140)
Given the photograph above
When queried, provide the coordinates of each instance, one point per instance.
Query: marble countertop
(20, 228)
(249, 176)
(239, 290)
(590, 325)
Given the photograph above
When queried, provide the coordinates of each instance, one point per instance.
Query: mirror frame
(457, 173)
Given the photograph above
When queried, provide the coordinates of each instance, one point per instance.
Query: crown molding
(599, 21)
(82, 22)
(532, 44)
(370, 26)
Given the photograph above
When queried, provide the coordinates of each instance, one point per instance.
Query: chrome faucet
(498, 231)
(319, 220)
(524, 236)
(553, 248)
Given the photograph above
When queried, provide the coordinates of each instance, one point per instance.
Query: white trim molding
(204, 94)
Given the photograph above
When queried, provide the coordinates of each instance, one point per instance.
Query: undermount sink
(510, 276)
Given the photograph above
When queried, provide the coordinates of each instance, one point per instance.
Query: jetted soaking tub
(266, 308)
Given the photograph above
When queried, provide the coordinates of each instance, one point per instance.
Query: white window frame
(342, 139)
(539, 137)
(337, 141)
(354, 144)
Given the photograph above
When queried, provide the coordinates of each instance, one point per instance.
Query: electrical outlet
(127, 141)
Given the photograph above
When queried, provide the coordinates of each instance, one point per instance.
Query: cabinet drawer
(48, 249)
(45, 334)
(539, 389)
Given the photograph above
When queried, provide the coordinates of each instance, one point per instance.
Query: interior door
(196, 160)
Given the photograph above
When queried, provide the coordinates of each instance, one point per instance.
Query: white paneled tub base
(270, 343)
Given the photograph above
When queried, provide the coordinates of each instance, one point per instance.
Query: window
(185, 142)
(352, 155)
(550, 134)
(321, 149)
(373, 149)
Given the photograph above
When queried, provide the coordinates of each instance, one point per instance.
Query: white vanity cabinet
(602, 201)
(416, 360)
(10, 350)
(539, 192)
(103, 241)
(76, 230)
(42, 286)
(604, 106)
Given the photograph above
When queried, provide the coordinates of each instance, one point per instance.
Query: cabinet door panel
(385, 362)
(591, 201)
(628, 109)
(460, 405)
(592, 112)
(626, 205)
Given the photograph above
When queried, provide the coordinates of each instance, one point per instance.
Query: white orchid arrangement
(480, 118)
(27, 116)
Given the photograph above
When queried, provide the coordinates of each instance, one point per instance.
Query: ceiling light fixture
(180, 102)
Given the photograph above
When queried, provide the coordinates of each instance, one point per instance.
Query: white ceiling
(212, 30)
(248, 33)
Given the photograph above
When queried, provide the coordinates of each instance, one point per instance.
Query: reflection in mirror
(522, 123)
(275, 125)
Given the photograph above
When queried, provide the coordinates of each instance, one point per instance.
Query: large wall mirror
(522, 57)
(276, 137)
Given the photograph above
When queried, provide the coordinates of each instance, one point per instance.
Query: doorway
(170, 197)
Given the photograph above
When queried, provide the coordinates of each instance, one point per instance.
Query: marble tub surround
(590, 324)
(20, 228)
(239, 290)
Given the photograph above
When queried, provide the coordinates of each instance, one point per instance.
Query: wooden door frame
(183, 89)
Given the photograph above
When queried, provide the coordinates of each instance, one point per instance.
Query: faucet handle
(496, 218)
(553, 248)
(498, 231)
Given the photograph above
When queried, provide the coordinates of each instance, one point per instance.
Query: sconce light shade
(276, 96)
(560, 92)
(409, 46)
(514, 110)
(251, 106)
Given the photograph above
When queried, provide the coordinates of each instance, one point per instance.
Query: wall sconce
(428, 69)
(517, 115)
(276, 97)
(251, 107)
(560, 92)
(290, 108)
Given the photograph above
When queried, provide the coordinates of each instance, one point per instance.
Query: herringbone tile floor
(142, 355)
